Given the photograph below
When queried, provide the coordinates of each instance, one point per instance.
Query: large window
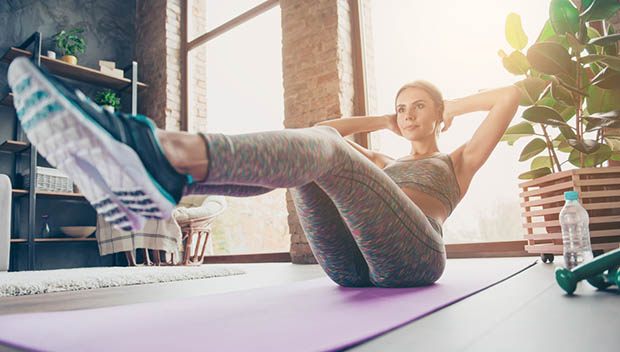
(242, 72)
(454, 44)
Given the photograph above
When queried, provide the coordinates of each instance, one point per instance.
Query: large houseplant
(571, 87)
(71, 43)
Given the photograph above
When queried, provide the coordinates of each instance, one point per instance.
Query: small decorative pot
(51, 54)
(110, 108)
(69, 59)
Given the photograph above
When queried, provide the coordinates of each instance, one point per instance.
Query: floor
(526, 312)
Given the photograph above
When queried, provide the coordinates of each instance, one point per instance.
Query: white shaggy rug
(23, 283)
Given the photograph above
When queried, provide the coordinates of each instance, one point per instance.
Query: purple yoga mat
(313, 315)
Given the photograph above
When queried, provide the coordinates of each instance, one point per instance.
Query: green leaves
(514, 32)
(513, 133)
(533, 148)
(561, 94)
(610, 119)
(601, 100)
(568, 133)
(540, 162)
(561, 144)
(516, 63)
(599, 9)
(611, 61)
(546, 32)
(550, 58)
(569, 61)
(535, 173)
(108, 97)
(606, 40)
(613, 143)
(544, 115)
(590, 160)
(70, 42)
(607, 79)
(574, 43)
(564, 17)
(531, 89)
(587, 146)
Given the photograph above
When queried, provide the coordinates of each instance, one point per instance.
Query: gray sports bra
(433, 176)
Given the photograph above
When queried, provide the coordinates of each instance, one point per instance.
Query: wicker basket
(195, 235)
(543, 198)
(49, 179)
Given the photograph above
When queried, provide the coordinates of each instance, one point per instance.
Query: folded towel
(162, 235)
(5, 221)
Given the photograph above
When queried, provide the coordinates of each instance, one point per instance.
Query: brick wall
(317, 65)
(150, 54)
(158, 51)
(197, 114)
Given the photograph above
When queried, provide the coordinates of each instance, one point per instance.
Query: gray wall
(109, 26)
(110, 35)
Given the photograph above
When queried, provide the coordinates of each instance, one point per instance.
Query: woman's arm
(360, 124)
(350, 125)
(502, 105)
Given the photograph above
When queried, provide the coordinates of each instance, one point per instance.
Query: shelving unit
(23, 192)
(21, 145)
(14, 146)
(77, 73)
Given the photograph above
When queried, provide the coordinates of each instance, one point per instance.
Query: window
(236, 87)
(454, 44)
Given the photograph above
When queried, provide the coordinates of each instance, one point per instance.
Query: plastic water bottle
(45, 229)
(575, 231)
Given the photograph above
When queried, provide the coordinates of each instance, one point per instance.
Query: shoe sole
(109, 173)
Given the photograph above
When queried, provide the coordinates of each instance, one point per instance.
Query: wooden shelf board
(60, 194)
(8, 100)
(66, 239)
(14, 146)
(55, 239)
(21, 192)
(75, 72)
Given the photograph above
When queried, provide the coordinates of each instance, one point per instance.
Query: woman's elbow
(514, 94)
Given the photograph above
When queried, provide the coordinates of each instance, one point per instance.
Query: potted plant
(71, 43)
(108, 100)
(571, 87)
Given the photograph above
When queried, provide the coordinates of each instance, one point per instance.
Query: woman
(370, 220)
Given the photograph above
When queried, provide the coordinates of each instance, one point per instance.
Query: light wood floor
(524, 313)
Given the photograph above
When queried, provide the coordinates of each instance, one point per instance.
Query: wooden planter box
(543, 198)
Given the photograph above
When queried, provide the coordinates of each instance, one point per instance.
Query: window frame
(453, 250)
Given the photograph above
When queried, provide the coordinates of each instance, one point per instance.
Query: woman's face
(416, 114)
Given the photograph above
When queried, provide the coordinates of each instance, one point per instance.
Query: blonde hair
(429, 88)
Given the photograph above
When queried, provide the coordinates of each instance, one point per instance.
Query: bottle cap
(571, 195)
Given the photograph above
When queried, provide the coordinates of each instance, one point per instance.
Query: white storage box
(49, 179)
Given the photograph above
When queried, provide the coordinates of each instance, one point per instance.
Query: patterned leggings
(361, 227)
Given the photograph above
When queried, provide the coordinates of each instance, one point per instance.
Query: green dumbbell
(602, 281)
(593, 271)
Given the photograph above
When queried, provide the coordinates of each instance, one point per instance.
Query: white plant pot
(110, 108)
